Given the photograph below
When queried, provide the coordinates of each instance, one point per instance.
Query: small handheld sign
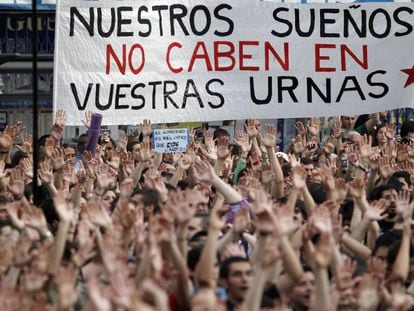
(170, 140)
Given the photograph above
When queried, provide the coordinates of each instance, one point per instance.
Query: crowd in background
(231, 224)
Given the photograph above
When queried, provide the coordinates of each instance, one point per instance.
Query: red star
(410, 73)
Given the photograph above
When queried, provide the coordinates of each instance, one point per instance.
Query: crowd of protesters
(227, 225)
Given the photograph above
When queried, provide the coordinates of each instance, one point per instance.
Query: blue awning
(27, 5)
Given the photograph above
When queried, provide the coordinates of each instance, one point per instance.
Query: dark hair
(219, 132)
(393, 252)
(407, 127)
(361, 120)
(182, 184)
(375, 132)
(235, 150)
(300, 206)
(193, 257)
(286, 169)
(269, 295)
(82, 135)
(114, 202)
(149, 197)
(197, 236)
(317, 191)
(402, 174)
(306, 161)
(346, 210)
(387, 239)
(42, 140)
(130, 145)
(376, 193)
(225, 265)
(102, 142)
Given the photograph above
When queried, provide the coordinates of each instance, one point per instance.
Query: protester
(326, 226)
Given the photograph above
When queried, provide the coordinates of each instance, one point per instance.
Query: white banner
(175, 61)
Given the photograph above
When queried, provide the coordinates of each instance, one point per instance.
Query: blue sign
(27, 4)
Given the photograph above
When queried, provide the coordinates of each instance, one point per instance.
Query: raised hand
(267, 174)
(251, 129)
(298, 146)
(265, 221)
(293, 160)
(269, 137)
(16, 185)
(6, 142)
(146, 129)
(313, 126)
(69, 175)
(402, 152)
(300, 128)
(122, 140)
(13, 209)
(298, 177)
(328, 179)
(217, 221)
(365, 147)
(87, 119)
(321, 220)
(62, 206)
(386, 169)
(374, 162)
(223, 147)
(35, 219)
(182, 207)
(26, 144)
(255, 162)
(356, 188)
(242, 140)
(13, 130)
(311, 146)
(98, 215)
(115, 159)
(329, 145)
(376, 211)
(285, 223)
(27, 167)
(204, 171)
(58, 159)
(403, 204)
(184, 162)
(50, 145)
(145, 152)
(104, 177)
(390, 131)
(56, 132)
(127, 162)
(337, 128)
(60, 118)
